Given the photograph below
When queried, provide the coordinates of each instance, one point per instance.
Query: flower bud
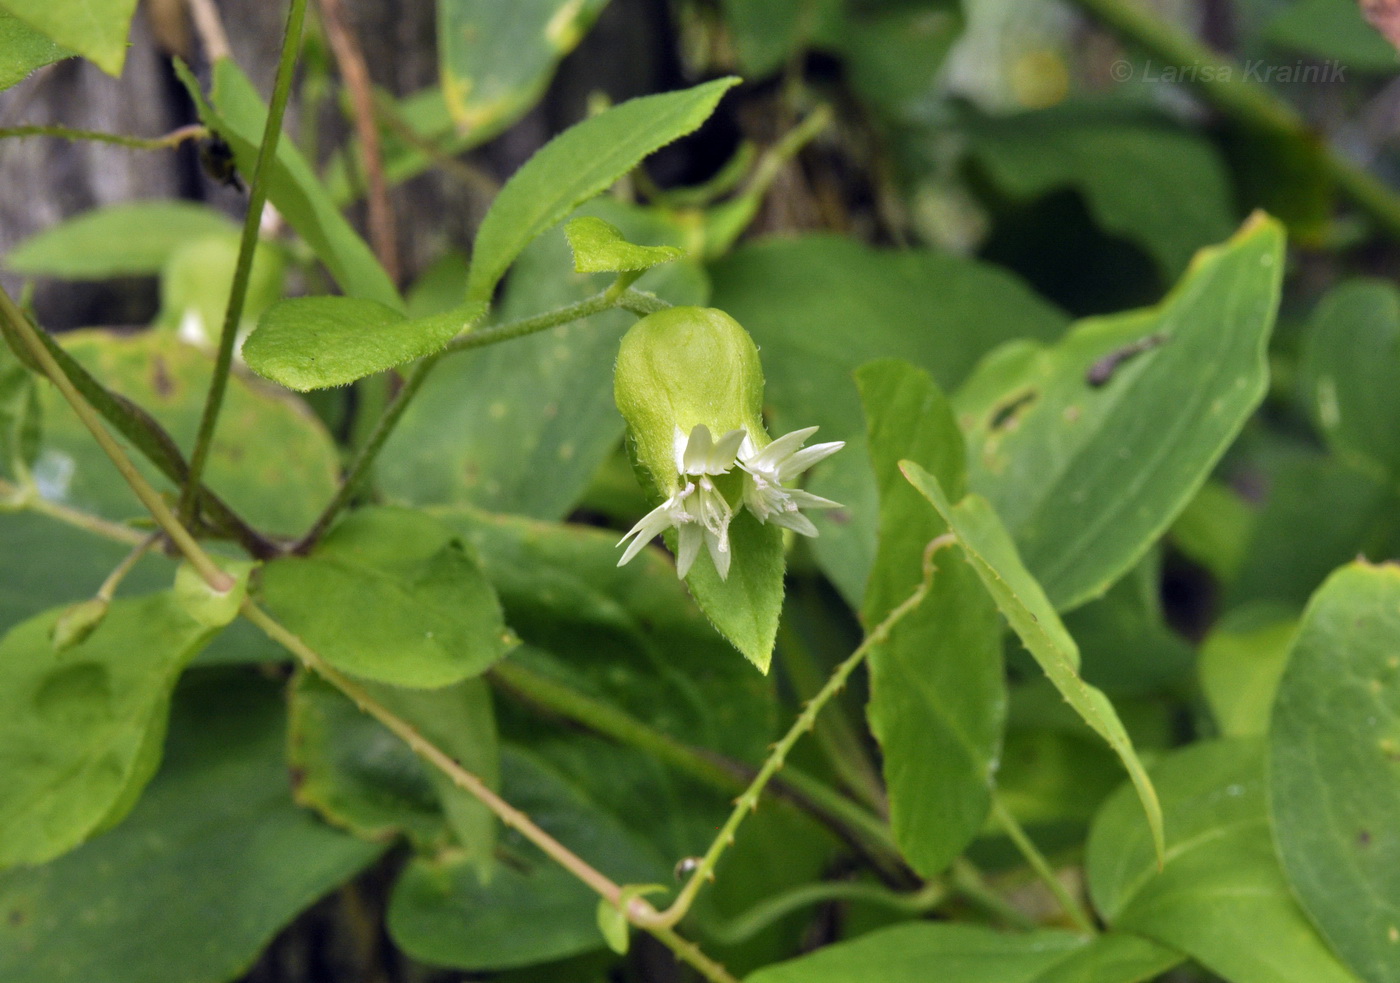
(683, 368)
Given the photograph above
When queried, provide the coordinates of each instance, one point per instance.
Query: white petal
(795, 521)
(773, 455)
(697, 450)
(806, 500)
(687, 547)
(726, 448)
(807, 457)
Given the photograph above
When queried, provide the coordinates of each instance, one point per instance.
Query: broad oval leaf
(81, 730)
(1090, 448)
(1350, 362)
(937, 692)
(316, 342)
(1221, 897)
(988, 548)
(212, 862)
(129, 239)
(496, 58)
(391, 595)
(975, 954)
(576, 165)
(23, 49)
(1334, 767)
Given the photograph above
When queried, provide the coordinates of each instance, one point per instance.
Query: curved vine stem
(172, 139)
(748, 801)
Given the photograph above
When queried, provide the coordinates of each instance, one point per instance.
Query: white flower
(698, 510)
(776, 465)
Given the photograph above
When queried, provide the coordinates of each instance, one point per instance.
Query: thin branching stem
(242, 271)
(748, 801)
(29, 499)
(155, 504)
(172, 139)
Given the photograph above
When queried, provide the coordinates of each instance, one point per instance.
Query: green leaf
(599, 247)
(211, 863)
(1109, 156)
(1089, 449)
(391, 595)
(576, 165)
(317, 342)
(366, 779)
(1241, 663)
(819, 307)
(523, 426)
(1333, 750)
(531, 909)
(767, 33)
(196, 281)
(1350, 361)
(20, 417)
(744, 607)
(988, 547)
(893, 52)
(95, 29)
(937, 693)
(239, 115)
(129, 239)
(974, 954)
(23, 49)
(496, 59)
(82, 728)
(1221, 897)
(1335, 30)
(271, 460)
(628, 636)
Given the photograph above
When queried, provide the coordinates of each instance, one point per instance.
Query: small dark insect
(216, 157)
(1101, 371)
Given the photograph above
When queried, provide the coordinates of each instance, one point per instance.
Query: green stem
(1041, 866)
(1224, 85)
(238, 292)
(29, 499)
(720, 774)
(172, 139)
(108, 590)
(149, 497)
(638, 910)
(838, 740)
(617, 295)
(748, 801)
(746, 925)
(969, 882)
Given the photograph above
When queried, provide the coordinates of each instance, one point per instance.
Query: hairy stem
(238, 292)
(1041, 866)
(149, 497)
(638, 910)
(748, 801)
(30, 500)
(844, 816)
(172, 139)
(1225, 86)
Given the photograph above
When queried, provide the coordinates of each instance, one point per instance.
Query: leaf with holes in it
(578, 164)
(988, 547)
(599, 247)
(393, 596)
(316, 342)
(1089, 449)
(82, 729)
(1334, 767)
